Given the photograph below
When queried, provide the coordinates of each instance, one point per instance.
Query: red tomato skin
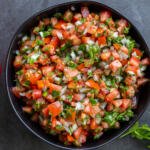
(36, 94)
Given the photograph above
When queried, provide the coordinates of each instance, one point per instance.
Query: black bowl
(142, 96)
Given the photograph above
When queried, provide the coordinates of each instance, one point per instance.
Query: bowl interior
(142, 96)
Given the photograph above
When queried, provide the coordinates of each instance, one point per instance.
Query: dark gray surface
(13, 135)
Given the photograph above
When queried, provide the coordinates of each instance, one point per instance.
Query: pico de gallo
(77, 74)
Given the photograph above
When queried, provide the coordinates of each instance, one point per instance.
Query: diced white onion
(69, 26)
(143, 68)
(85, 31)
(79, 76)
(131, 72)
(115, 34)
(73, 55)
(106, 66)
(80, 52)
(59, 35)
(83, 90)
(95, 77)
(63, 90)
(22, 94)
(32, 37)
(93, 68)
(36, 47)
(35, 56)
(72, 8)
(79, 106)
(119, 78)
(41, 34)
(24, 38)
(57, 79)
(84, 78)
(82, 96)
(74, 127)
(77, 23)
(103, 105)
(63, 97)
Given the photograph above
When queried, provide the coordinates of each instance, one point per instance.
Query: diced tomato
(131, 69)
(92, 84)
(105, 56)
(47, 40)
(124, 61)
(43, 59)
(126, 103)
(77, 133)
(45, 111)
(28, 95)
(34, 77)
(18, 61)
(102, 40)
(109, 107)
(99, 31)
(54, 21)
(54, 121)
(85, 12)
(115, 55)
(70, 73)
(104, 15)
(46, 70)
(68, 15)
(82, 138)
(88, 109)
(130, 91)
(145, 61)
(87, 40)
(141, 81)
(124, 50)
(27, 109)
(72, 85)
(54, 109)
(130, 80)
(16, 91)
(112, 95)
(36, 94)
(40, 84)
(53, 45)
(117, 103)
(92, 29)
(72, 117)
(134, 61)
(81, 66)
(66, 34)
(137, 51)
(77, 17)
(54, 87)
(59, 24)
(115, 65)
(116, 46)
(75, 40)
(70, 138)
(93, 124)
(77, 97)
(122, 23)
(60, 66)
(49, 98)
(57, 33)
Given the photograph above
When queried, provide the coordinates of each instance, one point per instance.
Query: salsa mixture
(77, 74)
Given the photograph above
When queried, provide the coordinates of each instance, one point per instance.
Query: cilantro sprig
(141, 132)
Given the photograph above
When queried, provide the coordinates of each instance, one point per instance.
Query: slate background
(13, 135)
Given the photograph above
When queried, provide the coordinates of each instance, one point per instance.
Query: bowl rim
(7, 76)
